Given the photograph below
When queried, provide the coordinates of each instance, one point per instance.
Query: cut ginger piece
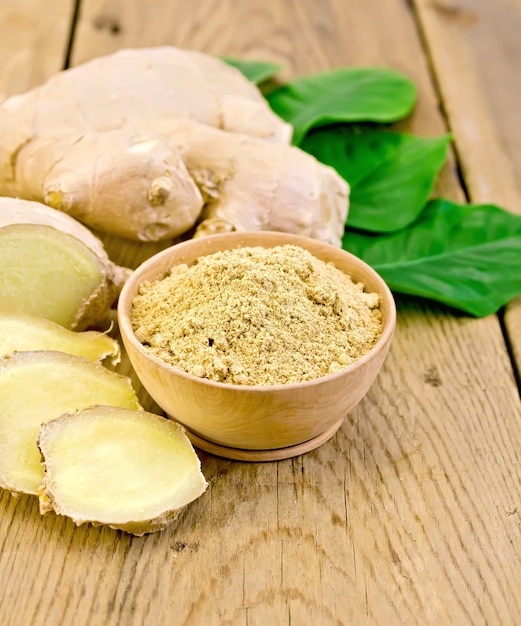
(131, 470)
(21, 332)
(36, 387)
(50, 273)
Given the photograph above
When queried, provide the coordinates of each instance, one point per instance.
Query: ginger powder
(257, 316)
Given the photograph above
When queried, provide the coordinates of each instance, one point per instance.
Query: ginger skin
(179, 137)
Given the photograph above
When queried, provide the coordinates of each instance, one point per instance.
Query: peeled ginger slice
(36, 387)
(131, 470)
(23, 332)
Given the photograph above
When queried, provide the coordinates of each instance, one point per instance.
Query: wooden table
(411, 514)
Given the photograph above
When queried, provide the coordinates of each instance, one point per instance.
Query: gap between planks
(435, 22)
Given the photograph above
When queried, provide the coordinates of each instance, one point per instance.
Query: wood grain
(34, 39)
(409, 515)
(476, 53)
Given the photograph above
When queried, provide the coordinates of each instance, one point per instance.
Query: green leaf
(255, 71)
(391, 174)
(466, 256)
(346, 94)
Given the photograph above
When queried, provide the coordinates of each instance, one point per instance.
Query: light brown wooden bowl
(255, 423)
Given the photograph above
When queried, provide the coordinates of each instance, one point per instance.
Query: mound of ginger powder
(257, 316)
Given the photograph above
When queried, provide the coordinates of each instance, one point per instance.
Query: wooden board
(34, 41)
(409, 515)
(475, 46)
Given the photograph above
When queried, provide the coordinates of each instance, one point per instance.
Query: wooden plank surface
(409, 515)
(34, 38)
(475, 46)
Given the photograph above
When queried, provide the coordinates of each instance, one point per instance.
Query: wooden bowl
(255, 423)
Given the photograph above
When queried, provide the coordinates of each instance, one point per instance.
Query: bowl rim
(133, 282)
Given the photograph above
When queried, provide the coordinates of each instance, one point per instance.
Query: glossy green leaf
(466, 256)
(255, 71)
(391, 174)
(346, 94)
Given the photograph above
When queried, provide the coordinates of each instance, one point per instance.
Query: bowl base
(277, 454)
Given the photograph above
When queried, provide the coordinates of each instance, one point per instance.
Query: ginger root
(36, 387)
(131, 470)
(54, 267)
(21, 332)
(120, 144)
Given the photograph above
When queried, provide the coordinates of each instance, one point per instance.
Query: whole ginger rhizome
(257, 316)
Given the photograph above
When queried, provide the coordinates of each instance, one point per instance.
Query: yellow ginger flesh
(36, 387)
(131, 470)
